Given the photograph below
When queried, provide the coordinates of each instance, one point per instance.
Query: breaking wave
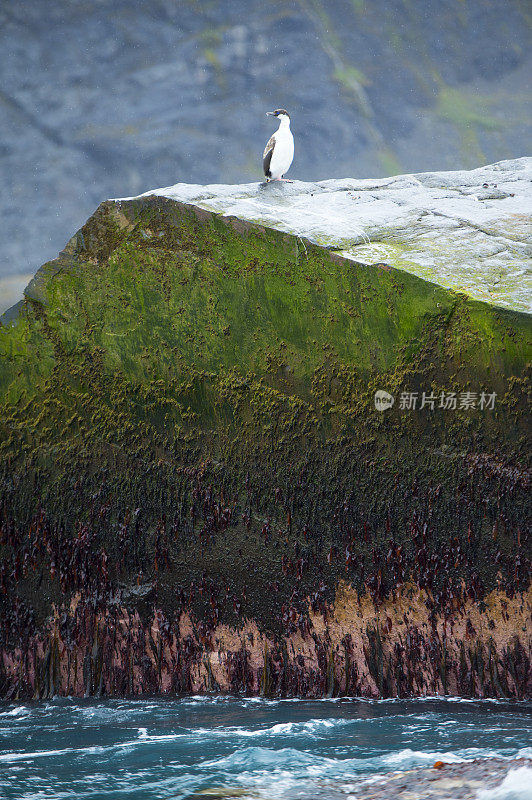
(517, 785)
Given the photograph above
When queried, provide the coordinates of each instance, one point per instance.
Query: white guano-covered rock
(467, 230)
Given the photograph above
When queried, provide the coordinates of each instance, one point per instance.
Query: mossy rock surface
(468, 230)
(187, 410)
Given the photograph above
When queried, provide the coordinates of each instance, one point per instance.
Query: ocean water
(242, 747)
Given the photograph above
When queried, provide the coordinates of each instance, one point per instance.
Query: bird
(279, 152)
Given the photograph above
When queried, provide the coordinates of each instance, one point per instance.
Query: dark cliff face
(197, 490)
(106, 99)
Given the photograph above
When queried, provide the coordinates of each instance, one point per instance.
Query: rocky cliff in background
(100, 99)
(197, 490)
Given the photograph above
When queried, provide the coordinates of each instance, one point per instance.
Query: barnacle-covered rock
(240, 451)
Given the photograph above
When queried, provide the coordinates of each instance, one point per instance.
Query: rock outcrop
(467, 230)
(236, 455)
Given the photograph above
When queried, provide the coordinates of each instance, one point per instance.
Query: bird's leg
(286, 180)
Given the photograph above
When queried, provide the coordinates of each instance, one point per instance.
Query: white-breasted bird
(279, 152)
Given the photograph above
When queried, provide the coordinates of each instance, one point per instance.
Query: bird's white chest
(283, 152)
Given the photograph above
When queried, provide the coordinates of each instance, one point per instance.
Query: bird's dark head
(281, 113)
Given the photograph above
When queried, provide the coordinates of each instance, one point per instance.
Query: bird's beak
(270, 113)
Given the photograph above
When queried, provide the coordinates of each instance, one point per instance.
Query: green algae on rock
(189, 443)
(468, 230)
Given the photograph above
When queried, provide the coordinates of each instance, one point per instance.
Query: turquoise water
(276, 750)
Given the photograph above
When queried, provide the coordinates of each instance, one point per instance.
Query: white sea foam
(517, 785)
(148, 738)
(18, 711)
(269, 702)
(95, 749)
(407, 757)
(36, 754)
(311, 727)
(262, 757)
(258, 758)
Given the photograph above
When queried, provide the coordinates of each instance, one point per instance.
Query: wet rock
(197, 489)
(467, 781)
